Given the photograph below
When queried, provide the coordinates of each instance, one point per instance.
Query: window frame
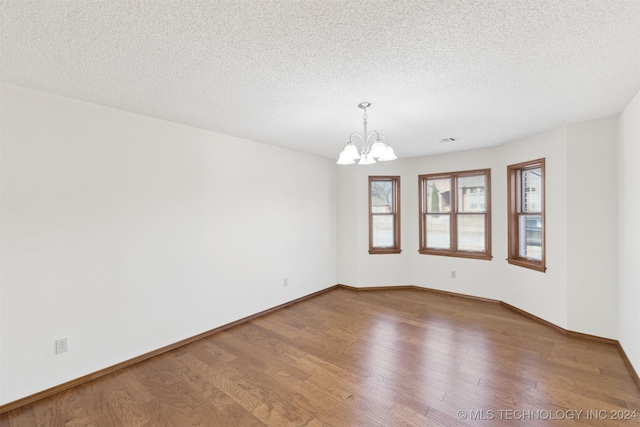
(453, 250)
(395, 188)
(515, 200)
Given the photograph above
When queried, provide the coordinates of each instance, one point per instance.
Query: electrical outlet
(453, 274)
(286, 282)
(61, 345)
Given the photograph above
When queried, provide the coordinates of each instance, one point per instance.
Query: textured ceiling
(291, 72)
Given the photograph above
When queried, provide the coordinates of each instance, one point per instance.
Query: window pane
(438, 195)
(532, 190)
(530, 236)
(383, 231)
(465, 194)
(438, 236)
(381, 197)
(471, 194)
(471, 233)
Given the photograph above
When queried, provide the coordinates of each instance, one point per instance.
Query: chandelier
(373, 145)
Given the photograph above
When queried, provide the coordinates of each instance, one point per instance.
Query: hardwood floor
(354, 358)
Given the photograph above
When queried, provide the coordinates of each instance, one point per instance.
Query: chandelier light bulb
(352, 151)
(377, 149)
(388, 154)
(345, 159)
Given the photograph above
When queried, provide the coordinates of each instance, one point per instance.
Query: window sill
(471, 255)
(532, 265)
(384, 251)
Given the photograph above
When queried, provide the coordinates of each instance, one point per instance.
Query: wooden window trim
(514, 206)
(486, 255)
(396, 248)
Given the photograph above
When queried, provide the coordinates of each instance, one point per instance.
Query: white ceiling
(291, 72)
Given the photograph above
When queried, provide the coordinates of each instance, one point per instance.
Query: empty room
(320, 213)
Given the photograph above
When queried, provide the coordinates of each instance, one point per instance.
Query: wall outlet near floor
(61, 345)
(453, 274)
(285, 282)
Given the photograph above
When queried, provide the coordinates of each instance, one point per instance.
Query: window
(526, 215)
(455, 214)
(384, 215)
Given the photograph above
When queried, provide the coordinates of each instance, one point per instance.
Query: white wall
(356, 267)
(592, 228)
(629, 230)
(1, 329)
(348, 238)
(578, 291)
(541, 294)
(435, 271)
(126, 233)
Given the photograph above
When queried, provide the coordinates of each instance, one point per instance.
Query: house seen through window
(526, 243)
(455, 214)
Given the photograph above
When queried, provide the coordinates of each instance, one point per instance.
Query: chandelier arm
(372, 133)
(357, 135)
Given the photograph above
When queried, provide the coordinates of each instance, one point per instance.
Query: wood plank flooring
(355, 358)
